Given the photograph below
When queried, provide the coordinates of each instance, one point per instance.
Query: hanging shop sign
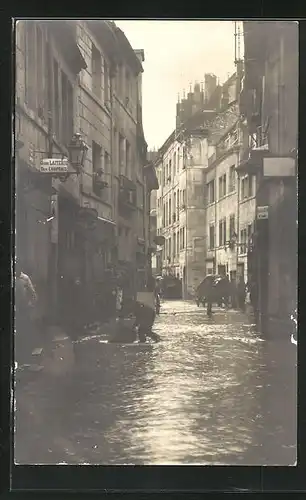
(54, 165)
(262, 212)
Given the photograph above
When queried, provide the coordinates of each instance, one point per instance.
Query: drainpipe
(186, 226)
(238, 218)
(216, 230)
(112, 146)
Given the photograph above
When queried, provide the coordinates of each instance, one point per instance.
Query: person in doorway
(25, 300)
(233, 293)
(241, 293)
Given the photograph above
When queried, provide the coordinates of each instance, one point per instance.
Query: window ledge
(95, 98)
(95, 197)
(32, 115)
(248, 198)
(227, 196)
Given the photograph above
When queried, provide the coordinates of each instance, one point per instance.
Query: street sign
(262, 212)
(54, 165)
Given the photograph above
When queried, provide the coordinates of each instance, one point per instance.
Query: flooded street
(210, 392)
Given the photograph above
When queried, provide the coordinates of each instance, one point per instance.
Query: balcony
(127, 195)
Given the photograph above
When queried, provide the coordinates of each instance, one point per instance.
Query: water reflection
(197, 397)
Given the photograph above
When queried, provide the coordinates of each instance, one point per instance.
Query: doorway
(221, 270)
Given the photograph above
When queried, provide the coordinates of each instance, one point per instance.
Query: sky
(176, 54)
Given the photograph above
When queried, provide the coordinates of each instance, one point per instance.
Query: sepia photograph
(156, 229)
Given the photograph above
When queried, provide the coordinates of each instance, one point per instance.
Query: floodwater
(212, 391)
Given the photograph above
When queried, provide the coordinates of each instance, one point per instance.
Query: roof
(63, 32)
(115, 43)
(128, 51)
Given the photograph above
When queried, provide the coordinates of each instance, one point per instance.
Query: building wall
(94, 116)
(180, 172)
(224, 206)
(35, 45)
(275, 71)
(99, 118)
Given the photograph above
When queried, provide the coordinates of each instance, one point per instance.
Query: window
(211, 191)
(106, 83)
(167, 216)
(40, 69)
(222, 186)
(183, 235)
(243, 241)
(127, 158)
(164, 216)
(67, 110)
(121, 154)
(170, 170)
(232, 179)
(211, 237)
(127, 88)
(96, 71)
(106, 163)
(244, 192)
(169, 248)
(96, 165)
(232, 226)
(222, 232)
(115, 154)
(56, 107)
(170, 212)
(250, 231)
(184, 197)
(174, 244)
(174, 164)
(250, 185)
(30, 64)
(177, 243)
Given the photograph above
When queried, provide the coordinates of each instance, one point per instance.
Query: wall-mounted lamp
(77, 152)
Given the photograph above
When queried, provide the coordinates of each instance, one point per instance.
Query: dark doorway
(221, 270)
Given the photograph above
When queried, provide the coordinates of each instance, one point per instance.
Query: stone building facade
(46, 83)
(269, 104)
(80, 77)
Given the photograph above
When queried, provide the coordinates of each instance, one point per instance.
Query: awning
(107, 221)
(104, 231)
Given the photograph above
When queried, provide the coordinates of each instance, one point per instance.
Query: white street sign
(54, 165)
(262, 212)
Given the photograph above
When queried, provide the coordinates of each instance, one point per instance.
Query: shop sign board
(262, 212)
(54, 165)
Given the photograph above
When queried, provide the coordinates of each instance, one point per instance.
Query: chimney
(140, 54)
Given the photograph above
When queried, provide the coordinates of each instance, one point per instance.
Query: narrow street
(210, 392)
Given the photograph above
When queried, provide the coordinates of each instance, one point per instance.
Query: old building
(84, 78)
(230, 199)
(181, 206)
(48, 62)
(269, 104)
